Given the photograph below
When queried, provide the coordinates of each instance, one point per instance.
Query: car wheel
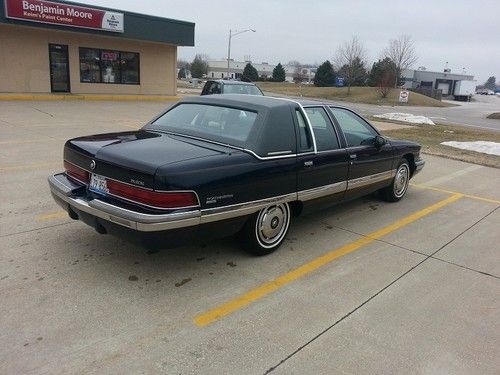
(399, 185)
(265, 231)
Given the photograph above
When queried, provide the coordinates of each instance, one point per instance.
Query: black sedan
(224, 164)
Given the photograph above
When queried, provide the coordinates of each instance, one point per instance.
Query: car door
(370, 167)
(321, 161)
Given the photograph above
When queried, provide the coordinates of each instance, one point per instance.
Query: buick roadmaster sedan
(228, 164)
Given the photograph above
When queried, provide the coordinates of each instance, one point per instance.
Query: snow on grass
(485, 147)
(406, 117)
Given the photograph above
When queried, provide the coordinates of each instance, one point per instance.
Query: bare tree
(402, 52)
(349, 60)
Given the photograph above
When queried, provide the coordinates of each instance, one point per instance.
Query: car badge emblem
(92, 164)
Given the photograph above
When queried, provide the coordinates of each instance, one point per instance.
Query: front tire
(266, 230)
(399, 185)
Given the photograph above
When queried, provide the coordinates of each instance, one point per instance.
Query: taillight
(76, 172)
(152, 198)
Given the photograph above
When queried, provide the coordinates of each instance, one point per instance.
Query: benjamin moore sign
(63, 14)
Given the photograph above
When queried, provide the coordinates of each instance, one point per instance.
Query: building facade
(217, 69)
(56, 46)
(426, 79)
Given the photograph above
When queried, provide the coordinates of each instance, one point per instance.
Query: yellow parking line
(269, 287)
(54, 215)
(28, 166)
(21, 141)
(454, 192)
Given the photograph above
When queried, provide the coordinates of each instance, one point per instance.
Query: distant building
(426, 79)
(217, 69)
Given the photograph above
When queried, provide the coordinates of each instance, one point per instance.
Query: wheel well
(411, 160)
(296, 207)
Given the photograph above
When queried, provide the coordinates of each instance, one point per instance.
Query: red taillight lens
(152, 198)
(77, 172)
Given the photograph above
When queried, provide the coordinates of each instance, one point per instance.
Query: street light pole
(231, 34)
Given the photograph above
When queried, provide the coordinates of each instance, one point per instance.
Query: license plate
(98, 184)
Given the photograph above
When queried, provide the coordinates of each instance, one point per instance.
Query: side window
(215, 88)
(206, 88)
(356, 131)
(305, 141)
(326, 139)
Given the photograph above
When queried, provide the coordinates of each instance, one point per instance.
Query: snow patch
(485, 147)
(406, 117)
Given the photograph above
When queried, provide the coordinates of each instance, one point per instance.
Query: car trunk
(133, 157)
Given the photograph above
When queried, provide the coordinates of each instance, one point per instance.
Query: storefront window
(110, 63)
(90, 65)
(130, 67)
(108, 66)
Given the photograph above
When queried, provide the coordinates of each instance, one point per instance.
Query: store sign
(63, 14)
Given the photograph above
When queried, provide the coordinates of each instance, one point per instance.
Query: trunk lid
(134, 157)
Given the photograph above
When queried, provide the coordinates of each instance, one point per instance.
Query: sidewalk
(115, 97)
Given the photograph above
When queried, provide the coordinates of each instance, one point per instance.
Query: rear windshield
(241, 89)
(216, 123)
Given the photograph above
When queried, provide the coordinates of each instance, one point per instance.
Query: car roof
(231, 82)
(254, 102)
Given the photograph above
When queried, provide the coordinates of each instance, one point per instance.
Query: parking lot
(364, 287)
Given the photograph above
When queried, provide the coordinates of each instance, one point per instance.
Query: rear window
(242, 89)
(217, 123)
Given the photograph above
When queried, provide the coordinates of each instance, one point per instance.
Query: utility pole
(231, 34)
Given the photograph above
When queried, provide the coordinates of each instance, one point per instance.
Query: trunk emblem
(92, 164)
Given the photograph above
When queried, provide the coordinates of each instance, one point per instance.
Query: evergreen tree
(325, 75)
(279, 74)
(380, 72)
(354, 73)
(199, 66)
(490, 83)
(250, 74)
(182, 73)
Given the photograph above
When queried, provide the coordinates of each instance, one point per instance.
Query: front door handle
(353, 156)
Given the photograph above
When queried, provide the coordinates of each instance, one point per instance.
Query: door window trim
(339, 140)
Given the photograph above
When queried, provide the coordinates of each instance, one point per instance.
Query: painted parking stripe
(489, 200)
(263, 290)
(52, 216)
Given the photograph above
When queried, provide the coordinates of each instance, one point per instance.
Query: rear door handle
(353, 156)
(308, 163)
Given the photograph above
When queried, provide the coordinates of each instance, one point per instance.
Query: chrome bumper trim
(127, 218)
(419, 164)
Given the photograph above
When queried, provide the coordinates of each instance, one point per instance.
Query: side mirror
(379, 141)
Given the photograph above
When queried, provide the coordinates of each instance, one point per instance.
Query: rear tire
(399, 186)
(266, 230)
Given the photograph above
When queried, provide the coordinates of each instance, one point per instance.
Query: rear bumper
(65, 193)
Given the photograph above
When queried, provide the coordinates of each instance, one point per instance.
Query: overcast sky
(464, 33)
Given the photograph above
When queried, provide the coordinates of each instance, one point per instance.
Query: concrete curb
(90, 97)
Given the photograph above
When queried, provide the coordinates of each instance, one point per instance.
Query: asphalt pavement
(365, 287)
